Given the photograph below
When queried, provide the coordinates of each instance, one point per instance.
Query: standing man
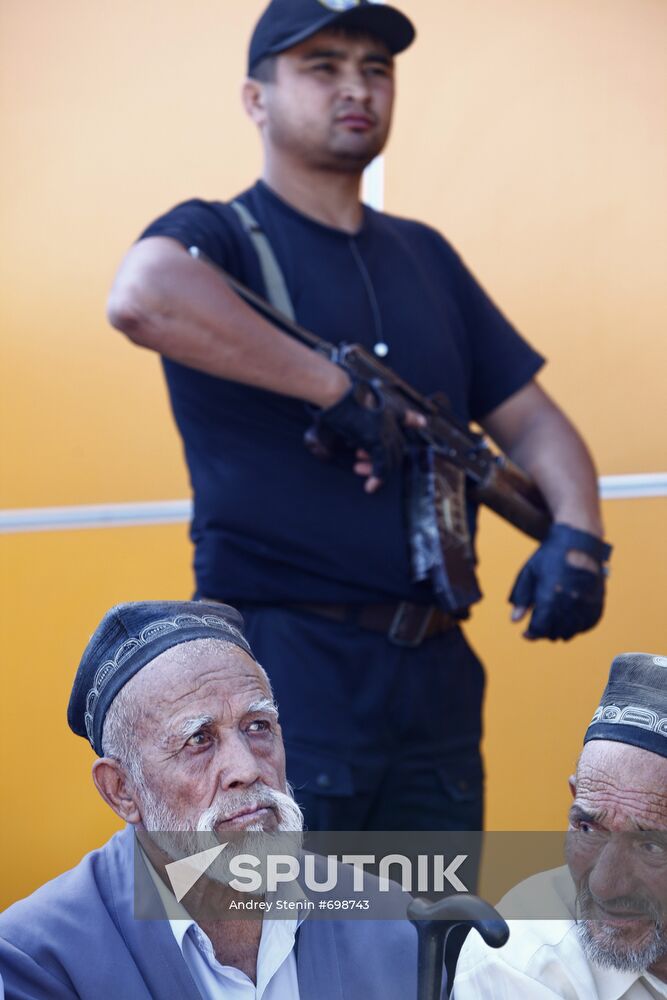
(364, 664)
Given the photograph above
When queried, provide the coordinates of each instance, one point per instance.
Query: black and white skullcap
(129, 637)
(634, 703)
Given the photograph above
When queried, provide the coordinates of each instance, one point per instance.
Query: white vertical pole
(372, 188)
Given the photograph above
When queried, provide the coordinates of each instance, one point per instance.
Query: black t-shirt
(271, 522)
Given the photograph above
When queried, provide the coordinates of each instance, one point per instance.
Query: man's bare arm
(539, 438)
(166, 301)
(563, 581)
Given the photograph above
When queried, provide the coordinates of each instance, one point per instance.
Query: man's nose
(238, 765)
(613, 873)
(354, 87)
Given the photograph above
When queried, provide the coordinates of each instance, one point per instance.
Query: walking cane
(434, 921)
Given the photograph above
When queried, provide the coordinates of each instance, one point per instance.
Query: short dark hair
(265, 70)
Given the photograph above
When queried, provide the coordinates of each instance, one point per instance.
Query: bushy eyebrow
(263, 705)
(192, 726)
(584, 816)
(189, 727)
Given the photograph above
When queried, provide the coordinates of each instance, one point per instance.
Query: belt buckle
(410, 624)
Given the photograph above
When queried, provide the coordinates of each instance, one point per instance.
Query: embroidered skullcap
(634, 704)
(130, 636)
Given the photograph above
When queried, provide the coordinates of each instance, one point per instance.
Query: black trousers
(378, 737)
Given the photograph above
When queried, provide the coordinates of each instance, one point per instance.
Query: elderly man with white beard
(612, 944)
(183, 721)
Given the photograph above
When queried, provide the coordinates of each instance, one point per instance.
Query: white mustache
(635, 905)
(288, 813)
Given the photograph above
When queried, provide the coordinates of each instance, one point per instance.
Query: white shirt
(544, 959)
(276, 960)
(276, 963)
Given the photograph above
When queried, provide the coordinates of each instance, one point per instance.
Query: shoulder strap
(274, 280)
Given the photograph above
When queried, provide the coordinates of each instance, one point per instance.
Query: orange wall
(530, 131)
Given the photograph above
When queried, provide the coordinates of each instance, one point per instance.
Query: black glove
(565, 599)
(361, 419)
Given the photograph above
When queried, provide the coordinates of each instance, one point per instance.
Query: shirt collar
(658, 985)
(613, 985)
(181, 921)
(276, 942)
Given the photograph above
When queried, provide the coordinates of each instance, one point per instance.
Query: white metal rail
(118, 515)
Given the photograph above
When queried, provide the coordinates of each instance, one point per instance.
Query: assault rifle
(450, 462)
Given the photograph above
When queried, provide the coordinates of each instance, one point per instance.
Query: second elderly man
(611, 943)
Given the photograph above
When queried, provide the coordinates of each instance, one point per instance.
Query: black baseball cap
(285, 23)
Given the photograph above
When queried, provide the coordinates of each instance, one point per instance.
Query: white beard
(604, 945)
(180, 837)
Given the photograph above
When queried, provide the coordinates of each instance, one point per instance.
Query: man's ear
(252, 95)
(113, 785)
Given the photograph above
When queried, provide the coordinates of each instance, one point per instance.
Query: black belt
(404, 624)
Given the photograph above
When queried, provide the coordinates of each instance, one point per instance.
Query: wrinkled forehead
(623, 781)
(197, 672)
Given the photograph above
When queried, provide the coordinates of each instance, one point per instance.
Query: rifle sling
(274, 280)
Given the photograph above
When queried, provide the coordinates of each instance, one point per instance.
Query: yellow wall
(530, 131)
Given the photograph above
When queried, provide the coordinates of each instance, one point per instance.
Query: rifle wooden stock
(514, 496)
